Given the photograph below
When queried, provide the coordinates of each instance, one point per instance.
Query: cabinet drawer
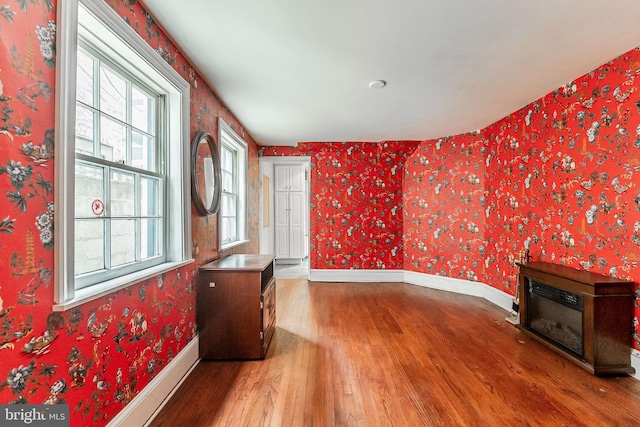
(268, 299)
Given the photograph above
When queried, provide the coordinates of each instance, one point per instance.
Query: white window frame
(229, 139)
(91, 278)
(177, 195)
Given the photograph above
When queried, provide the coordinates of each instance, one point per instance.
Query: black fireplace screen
(556, 314)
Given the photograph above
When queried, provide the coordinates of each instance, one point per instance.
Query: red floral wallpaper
(560, 177)
(356, 202)
(444, 197)
(98, 356)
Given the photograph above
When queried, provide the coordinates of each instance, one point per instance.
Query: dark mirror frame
(198, 173)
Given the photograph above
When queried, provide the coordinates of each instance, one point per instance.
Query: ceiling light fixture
(377, 84)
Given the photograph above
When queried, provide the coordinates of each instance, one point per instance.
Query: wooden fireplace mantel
(607, 316)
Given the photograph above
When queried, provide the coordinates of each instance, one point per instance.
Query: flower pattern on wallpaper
(356, 202)
(444, 208)
(579, 161)
(560, 177)
(580, 158)
(98, 356)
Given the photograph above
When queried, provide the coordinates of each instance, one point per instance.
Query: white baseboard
(460, 286)
(150, 400)
(498, 297)
(356, 276)
(444, 283)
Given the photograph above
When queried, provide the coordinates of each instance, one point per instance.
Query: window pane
(231, 207)
(89, 245)
(142, 151)
(227, 160)
(84, 130)
(149, 196)
(225, 205)
(225, 229)
(89, 185)
(113, 94)
(231, 232)
(123, 241)
(227, 182)
(150, 236)
(142, 111)
(84, 79)
(123, 193)
(113, 141)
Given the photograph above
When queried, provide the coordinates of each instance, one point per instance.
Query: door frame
(267, 235)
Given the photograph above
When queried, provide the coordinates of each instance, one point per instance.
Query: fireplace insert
(557, 314)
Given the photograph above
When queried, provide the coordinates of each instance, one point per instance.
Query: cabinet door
(282, 224)
(289, 178)
(282, 178)
(297, 211)
(296, 178)
(229, 316)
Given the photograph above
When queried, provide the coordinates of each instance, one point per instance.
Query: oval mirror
(205, 174)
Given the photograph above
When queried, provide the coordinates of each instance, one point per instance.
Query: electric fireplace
(558, 315)
(586, 317)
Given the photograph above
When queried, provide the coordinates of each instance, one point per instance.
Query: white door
(290, 216)
(296, 224)
(282, 224)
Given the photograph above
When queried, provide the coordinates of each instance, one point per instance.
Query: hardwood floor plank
(389, 354)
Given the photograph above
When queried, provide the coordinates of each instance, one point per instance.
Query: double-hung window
(229, 194)
(122, 157)
(119, 178)
(233, 212)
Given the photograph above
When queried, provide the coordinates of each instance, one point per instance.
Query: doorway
(284, 213)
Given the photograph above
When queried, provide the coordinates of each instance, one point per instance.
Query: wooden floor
(363, 354)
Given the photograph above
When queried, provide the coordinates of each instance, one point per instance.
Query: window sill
(83, 296)
(233, 244)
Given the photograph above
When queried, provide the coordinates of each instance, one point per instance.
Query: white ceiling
(299, 70)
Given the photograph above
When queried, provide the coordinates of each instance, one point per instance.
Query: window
(118, 174)
(122, 158)
(233, 212)
(229, 194)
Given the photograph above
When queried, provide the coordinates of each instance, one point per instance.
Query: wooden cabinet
(601, 308)
(236, 307)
